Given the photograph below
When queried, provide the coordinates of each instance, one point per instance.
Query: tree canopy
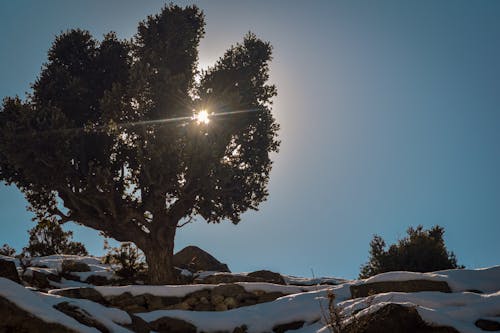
(420, 251)
(107, 132)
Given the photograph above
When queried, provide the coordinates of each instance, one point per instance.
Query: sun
(202, 117)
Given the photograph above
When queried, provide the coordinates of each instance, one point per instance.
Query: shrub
(48, 238)
(420, 251)
(8, 251)
(128, 259)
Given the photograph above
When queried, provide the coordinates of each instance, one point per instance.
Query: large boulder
(8, 270)
(74, 266)
(15, 319)
(172, 325)
(268, 276)
(410, 286)
(80, 315)
(195, 259)
(394, 318)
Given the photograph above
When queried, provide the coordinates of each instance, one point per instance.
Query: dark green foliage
(107, 133)
(48, 238)
(127, 260)
(420, 251)
(8, 251)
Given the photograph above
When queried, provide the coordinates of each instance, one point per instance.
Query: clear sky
(390, 115)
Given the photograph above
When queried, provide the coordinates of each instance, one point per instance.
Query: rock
(488, 325)
(15, 319)
(8, 270)
(287, 327)
(82, 293)
(217, 299)
(410, 286)
(227, 290)
(221, 307)
(129, 303)
(172, 325)
(268, 276)
(195, 259)
(80, 315)
(97, 280)
(41, 277)
(138, 325)
(227, 278)
(74, 266)
(230, 302)
(394, 318)
(269, 297)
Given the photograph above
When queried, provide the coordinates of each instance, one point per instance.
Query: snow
(303, 301)
(459, 310)
(183, 290)
(485, 279)
(32, 302)
(55, 261)
(16, 261)
(41, 306)
(259, 318)
(301, 281)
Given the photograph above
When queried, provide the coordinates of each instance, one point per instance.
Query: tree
(421, 251)
(48, 238)
(8, 251)
(109, 133)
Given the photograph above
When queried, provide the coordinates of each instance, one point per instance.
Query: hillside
(80, 294)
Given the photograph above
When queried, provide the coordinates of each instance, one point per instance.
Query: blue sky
(389, 112)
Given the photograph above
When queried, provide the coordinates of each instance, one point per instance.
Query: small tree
(421, 251)
(48, 238)
(8, 251)
(127, 257)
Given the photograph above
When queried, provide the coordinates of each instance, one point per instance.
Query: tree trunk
(159, 254)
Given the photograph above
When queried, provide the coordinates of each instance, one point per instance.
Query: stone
(410, 286)
(138, 325)
(74, 266)
(230, 302)
(217, 299)
(269, 297)
(172, 325)
(97, 280)
(15, 319)
(8, 270)
(221, 307)
(226, 290)
(394, 318)
(488, 325)
(80, 315)
(82, 293)
(268, 276)
(227, 278)
(40, 278)
(195, 259)
(288, 327)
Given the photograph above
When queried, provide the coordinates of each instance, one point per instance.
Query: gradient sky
(389, 112)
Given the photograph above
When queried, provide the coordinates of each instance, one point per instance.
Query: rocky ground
(80, 294)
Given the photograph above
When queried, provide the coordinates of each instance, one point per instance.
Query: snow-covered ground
(459, 309)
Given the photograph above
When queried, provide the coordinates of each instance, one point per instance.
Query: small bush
(420, 251)
(128, 259)
(48, 238)
(8, 251)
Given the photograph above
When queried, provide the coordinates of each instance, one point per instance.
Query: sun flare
(202, 117)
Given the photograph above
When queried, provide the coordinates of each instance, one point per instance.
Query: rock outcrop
(8, 270)
(195, 259)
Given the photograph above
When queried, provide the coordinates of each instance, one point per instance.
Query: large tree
(108, 132)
